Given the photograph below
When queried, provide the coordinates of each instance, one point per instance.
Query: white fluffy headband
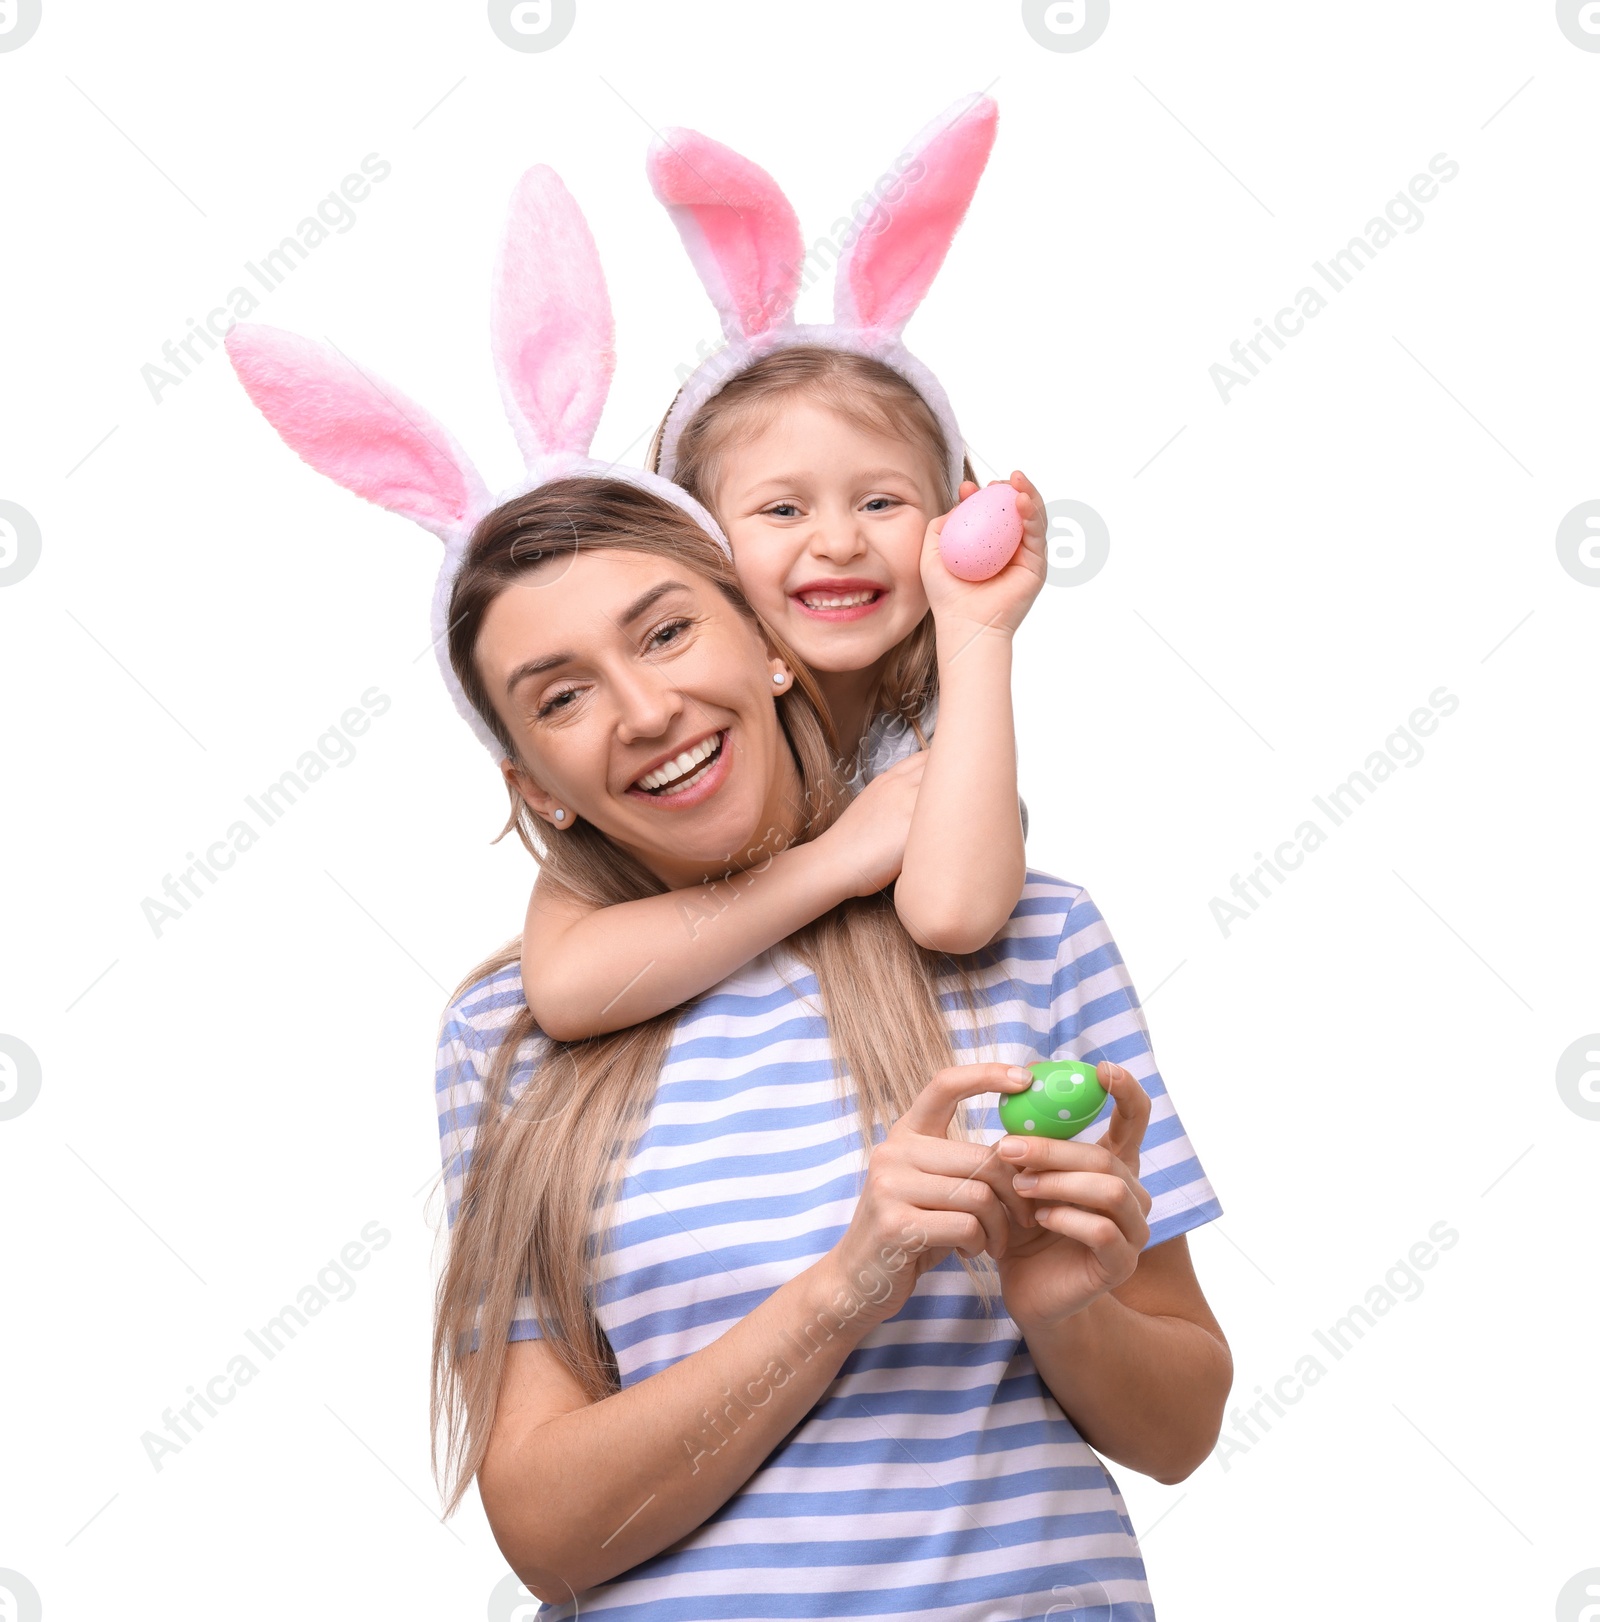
(552, 334)
(744, 240)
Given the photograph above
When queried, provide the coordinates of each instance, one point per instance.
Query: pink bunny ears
(552, 335)
(744, 240)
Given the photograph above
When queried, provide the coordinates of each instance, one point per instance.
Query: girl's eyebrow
(871, 476)
(640, 606)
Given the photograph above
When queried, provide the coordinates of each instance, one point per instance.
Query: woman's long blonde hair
(536, 1203)
(863, 391)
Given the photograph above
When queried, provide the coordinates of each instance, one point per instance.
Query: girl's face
(827, 521)
(642, 701)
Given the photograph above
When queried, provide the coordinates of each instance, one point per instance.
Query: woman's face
(642, 700)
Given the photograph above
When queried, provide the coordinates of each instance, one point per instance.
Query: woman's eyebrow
(641, 605)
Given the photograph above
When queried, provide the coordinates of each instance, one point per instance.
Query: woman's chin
(710, 824)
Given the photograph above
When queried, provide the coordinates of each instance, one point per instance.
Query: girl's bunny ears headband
(552, 334)
(745, 242)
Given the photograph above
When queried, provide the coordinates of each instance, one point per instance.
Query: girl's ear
(358, 430)
(898, 241)
(740, 232)
(550, 321)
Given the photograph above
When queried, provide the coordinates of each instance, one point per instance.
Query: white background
(1373, 1051)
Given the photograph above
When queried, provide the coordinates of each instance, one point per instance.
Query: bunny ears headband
(744, 240)
(552, 334)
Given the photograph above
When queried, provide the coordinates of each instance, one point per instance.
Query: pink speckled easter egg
(980, 536)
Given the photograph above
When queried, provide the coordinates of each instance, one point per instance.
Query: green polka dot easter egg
(1065, 1098)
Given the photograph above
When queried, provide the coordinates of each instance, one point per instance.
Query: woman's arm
(587, 970)
(1120, 1333)
(1143, 1371)
(964, 864)
(578, 1492)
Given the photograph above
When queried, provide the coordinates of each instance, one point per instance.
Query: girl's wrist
(964, 639)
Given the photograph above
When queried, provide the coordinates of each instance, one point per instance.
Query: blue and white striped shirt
(937, 1477)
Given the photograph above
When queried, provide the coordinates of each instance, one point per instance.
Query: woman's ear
(541, 803)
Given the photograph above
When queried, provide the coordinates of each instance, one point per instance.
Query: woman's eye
(557, 701)
(666, 634)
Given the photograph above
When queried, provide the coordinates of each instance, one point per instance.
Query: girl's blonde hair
(545, 1163)
(865, 392)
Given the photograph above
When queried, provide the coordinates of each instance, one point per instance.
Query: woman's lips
(874, 596)
(699, 788)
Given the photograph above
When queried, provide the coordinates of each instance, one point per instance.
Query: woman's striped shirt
(937, 1477)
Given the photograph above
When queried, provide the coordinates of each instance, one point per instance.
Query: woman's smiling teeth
(683, 769)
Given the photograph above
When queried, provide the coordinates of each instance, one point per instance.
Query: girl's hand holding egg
(984, 561)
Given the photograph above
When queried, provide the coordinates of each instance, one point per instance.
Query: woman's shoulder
(484, 1005)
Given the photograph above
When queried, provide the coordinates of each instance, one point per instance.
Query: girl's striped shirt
(937, 1477)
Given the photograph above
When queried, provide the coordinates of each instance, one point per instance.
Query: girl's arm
(587, 970)
(964, 864)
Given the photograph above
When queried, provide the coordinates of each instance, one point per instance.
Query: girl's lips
(856, 611)
(711, 778)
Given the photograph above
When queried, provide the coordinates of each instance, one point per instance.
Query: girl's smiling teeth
(673, 776)
(852, 599)
(846, 599)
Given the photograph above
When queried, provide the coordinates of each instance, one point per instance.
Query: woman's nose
(647, 705)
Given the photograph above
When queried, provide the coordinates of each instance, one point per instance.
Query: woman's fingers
(967, 1168)
(1124, 1135)
(1104, 1193)
(934, 1107)
(1116, 1251)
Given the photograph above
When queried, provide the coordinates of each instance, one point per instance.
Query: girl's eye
(878, 504)
(783, 509)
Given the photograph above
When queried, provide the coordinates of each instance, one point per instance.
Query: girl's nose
(837, 537)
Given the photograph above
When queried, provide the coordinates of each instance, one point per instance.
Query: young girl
(830, 458)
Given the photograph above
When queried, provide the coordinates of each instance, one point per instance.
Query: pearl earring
(561, 816)
(778, 677)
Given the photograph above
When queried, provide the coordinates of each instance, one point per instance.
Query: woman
(731, 1325)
